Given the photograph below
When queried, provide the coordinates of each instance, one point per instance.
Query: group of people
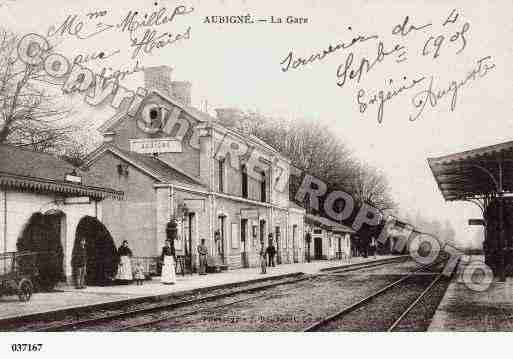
(125, 273)
(167, 258)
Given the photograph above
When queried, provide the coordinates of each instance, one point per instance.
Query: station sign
(195, 205)
(476, 222)
(77, 200)
(160, 145)
(71, 177)
(249, 213)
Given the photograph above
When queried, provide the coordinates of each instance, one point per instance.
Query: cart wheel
(25, 289)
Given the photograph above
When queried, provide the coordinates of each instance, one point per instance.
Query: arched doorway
(101, 251)
(43, 234)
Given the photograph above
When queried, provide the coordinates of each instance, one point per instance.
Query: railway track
(359, 266)
(148, 323)
(110, 319)
(363, 310)
(215, 311)
(152, 314)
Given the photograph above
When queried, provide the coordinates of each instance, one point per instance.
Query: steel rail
(192, 312)
(359, 266)
(356, 266)
(125, 314)
(415, 302)
(360, 303)
(74, 324)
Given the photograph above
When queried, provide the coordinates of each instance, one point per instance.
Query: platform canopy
(476, 174)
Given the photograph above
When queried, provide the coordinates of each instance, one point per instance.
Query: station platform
(465, 310)
(66, 297)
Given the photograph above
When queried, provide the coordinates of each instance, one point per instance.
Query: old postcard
(253, 166)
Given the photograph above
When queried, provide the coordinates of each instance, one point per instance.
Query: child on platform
(139, 273)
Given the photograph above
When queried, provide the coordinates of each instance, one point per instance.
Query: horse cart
(18, 271)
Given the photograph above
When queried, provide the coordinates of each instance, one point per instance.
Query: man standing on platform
(202, 252)
(79, 263)
(271, 251)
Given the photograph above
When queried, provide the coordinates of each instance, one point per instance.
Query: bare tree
(76, 147)
(313, 148)
(30, 116)
(368, 185)
(310, 146)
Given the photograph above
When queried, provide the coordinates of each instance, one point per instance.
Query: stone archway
(102, 257)
(43, 234)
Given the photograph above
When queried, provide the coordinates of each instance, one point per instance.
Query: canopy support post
(502, 265)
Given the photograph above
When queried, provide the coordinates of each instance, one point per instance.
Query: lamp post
(308, 239)
(217, 237)
(278, 246)
(183, 211)
(498, 183)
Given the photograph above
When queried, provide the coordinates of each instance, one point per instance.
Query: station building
(45, 204)
(173, 161)
(328, 239)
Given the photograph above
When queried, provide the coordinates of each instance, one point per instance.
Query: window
(254, 232)
(244, 178)
(263, 188)
(243, 226)
(221, 175)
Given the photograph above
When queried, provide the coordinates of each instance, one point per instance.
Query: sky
(240, 65)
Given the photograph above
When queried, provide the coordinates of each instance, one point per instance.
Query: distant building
(329, 239)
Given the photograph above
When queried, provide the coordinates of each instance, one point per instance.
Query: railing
(150, 265)
(25, 262)
(341, 255)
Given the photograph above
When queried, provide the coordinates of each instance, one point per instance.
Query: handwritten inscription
(101, 55)
(451, 37)
(292, 62)
(75, 27)
(432, 96)
(381, 97)
(96, 14)
(135, 20)
(143, 28)
(152, 40)
(347, 72)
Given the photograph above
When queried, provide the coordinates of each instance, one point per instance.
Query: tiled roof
(158, 169)
(328, 223)
(33, 164)
(121, 114)
(204, 118)
(296, 206)
(22, 169)
(165, 172)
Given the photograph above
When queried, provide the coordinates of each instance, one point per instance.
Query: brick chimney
(159, 78)
(181, 91)
(228, 116)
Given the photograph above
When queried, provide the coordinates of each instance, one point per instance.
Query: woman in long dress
(125, 266)
(168, 268)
